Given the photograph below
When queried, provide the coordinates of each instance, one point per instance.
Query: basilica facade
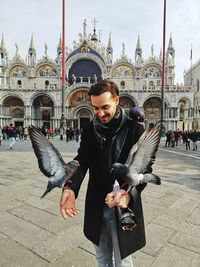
(30, 90)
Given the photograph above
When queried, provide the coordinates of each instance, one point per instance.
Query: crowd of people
(12, 133)
(173, 138)
(70, 133)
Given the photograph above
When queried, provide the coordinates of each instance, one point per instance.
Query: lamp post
(62, 123)
(162, 126)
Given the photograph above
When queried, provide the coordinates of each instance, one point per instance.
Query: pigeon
(136, 114)
(140, 157)
(51, 162)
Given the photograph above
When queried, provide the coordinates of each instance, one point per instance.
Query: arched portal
(126, 103)
(152, 111)
(184, 112)
(43, 110)
(14, 107)
(84, 115)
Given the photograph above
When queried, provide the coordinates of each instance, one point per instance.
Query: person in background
(1, 135)
(11, 135)
(25, 134)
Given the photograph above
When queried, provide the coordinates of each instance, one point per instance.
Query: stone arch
(83, 114)
(34, 96)
(42, 109)
(152, 111)
(13, 106)
(126, 102)
(184, 109)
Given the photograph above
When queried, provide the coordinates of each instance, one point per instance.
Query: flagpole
(63, 65)
(163, 74)
(191, 64)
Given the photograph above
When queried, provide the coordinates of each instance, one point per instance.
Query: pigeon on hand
(51, 162)
(140, 157)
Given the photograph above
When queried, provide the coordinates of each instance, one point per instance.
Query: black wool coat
(98, 157)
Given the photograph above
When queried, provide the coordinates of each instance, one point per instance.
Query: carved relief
(122, 71)
(152, 72)
(46, 70)
(79, 97)
(18, 72)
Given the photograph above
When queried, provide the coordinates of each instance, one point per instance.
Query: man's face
(104, 106)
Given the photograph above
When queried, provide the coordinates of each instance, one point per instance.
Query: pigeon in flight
(51, 162)
(140, 157)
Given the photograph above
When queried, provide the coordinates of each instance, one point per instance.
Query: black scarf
(107, 131)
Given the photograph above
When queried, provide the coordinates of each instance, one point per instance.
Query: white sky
(126, 19)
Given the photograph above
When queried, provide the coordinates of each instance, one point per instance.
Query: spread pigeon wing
(49, 159)
(144, 151)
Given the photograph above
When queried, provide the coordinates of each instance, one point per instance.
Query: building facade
(192, 79)
(30, 90)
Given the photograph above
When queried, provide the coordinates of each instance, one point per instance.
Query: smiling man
(107, 139)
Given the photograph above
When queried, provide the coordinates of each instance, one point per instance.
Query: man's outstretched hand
(119, 198)
(67, 204)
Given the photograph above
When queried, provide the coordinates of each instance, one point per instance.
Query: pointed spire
(17, 50)
(109, 41)
(138, 46)
(3, 47)
(152, 51)
(84, 29)
(123, 49)
(109, 49)
(160, 56)
(94, 36)
(138, 51)
(45, 50)
(100, 34)
(32, 45)
(32, 53)
(170, 46)
(59, 47)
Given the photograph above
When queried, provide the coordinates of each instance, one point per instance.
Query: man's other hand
(67, 204)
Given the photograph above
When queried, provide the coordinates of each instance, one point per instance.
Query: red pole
(63, 65)
(63, 43)
(163, 72)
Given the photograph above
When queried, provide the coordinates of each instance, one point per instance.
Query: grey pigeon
(51, 162)
(140, 157)
(136, 114)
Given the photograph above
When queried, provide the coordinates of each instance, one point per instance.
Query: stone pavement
(33, 233)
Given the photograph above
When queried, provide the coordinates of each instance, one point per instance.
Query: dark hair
(102, 87)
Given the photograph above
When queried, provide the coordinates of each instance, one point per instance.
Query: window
(122, 83)
(19, 83)
(46, 84)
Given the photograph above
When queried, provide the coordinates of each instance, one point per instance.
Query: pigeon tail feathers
(152, 178)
